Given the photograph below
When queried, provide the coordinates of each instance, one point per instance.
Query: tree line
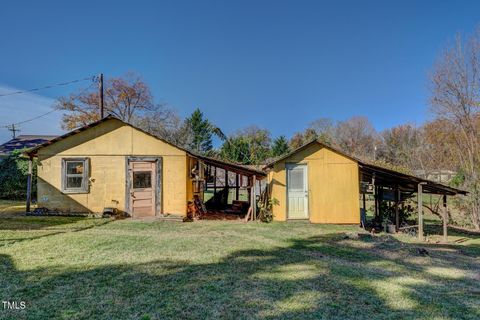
(448, 141)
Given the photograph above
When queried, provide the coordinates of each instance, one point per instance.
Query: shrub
(265, 210)
(13, 177)
(387, 212)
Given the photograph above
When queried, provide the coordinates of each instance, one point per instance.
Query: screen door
(297, 191)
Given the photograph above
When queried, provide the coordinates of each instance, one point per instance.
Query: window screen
(142, 179)
(295, 179)
(75, 175)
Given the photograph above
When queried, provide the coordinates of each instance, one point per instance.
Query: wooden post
(364, 200)
(445, 218)
(249, 189)
(397, 215)
(227, 190)
(363, 214)
(375, 208)
(420, 210)
(214, 180)
(379, 200)
(237, 190)
(29, 183)
(254, 202)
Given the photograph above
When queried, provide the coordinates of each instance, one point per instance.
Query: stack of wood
(196, 209)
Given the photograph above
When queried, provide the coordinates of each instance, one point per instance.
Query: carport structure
(221, 177)
(401, 185)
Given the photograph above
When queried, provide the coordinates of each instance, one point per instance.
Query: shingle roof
(23, 142)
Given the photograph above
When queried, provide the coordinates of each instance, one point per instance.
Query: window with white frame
(75, 175)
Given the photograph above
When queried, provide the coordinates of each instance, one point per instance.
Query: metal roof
(384, 176)
(230, 166)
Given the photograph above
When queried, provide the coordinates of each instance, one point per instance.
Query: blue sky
(276, 64)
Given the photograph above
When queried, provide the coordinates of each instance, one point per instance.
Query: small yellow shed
(112, 165)
(315, 183)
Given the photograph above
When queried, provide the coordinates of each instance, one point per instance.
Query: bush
(13, 177)
(265, 210)
(387, 213)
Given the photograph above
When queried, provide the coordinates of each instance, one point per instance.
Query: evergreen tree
(201, 131)
(251, 145)
(236, 149)
(280, 146)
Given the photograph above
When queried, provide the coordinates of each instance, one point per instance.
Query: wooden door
(297, 191)
(142, 188)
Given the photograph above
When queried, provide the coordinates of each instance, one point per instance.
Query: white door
(297, 191)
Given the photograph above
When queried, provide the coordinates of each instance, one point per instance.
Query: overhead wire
(48, 86)
(49, 112)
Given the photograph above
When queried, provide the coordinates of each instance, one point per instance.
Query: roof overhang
(229, 166)
(405, 182)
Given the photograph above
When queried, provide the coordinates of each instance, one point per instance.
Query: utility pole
(14, 130)
(100, 89)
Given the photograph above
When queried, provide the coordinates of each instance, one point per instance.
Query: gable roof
(221, 163)
(33, 151)
(23, 142)
(305, 146)
(384, 174)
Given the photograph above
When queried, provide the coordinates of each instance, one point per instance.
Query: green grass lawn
(11, 206)
(80, 268)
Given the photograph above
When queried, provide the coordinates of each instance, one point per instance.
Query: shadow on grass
(330, 277)
(437, 229)
(23, 222)
(33, 228)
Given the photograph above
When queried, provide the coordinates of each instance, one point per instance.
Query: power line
(92, 78)
(8, 126)
(28, 120)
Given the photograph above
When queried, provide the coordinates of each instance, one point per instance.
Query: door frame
(158, 185)
(288, 165)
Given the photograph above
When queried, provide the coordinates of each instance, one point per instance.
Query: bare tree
(301, 138)
(356, 136)
(166, 124)
(455, 99)
(404, 146)
(124, 97)
(323, 126)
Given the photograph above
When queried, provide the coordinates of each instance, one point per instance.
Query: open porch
(224, 191)
(394, 188)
